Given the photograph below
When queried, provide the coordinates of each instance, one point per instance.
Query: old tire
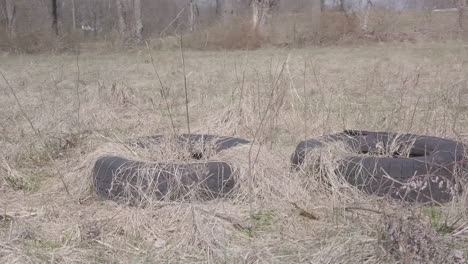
(427, 174)
(119, 179)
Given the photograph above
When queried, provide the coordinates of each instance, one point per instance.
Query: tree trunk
(262, 11)
(316, 14)
(227, 11)
(121, 15)
(138, 21)
(55, 17)
(95, 23)
(74, 14)
(365, 23)
(218, 8)
(193, 15)
(11, 17)
(256, 14)
(461, 4)
(342, 6)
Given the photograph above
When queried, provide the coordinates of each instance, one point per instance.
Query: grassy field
(59, 111)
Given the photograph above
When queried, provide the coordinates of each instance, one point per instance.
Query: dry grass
(336, 28)
(276, 96)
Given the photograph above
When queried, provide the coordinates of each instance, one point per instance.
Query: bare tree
(73, 14)
(55, 17)
(365, 22)
(138, 21)
(342, 6)
(428, 7)
(122, 17)
(461, 5)
(218, 7)
(262, 11)
(10, 9)
(130, 19)
(316, 13)
(228, 9)
(194, 13)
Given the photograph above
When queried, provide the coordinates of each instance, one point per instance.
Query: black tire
(120, 179)
(426, 175)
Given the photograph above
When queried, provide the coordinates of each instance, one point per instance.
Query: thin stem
(185, 84)
(174, 20)
(161, 89)
(305, 100)
(77, 87)
(258, 130)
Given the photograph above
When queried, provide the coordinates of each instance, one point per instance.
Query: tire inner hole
(413, 153)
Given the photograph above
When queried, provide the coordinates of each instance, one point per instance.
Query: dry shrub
(285, 30)
(337, 27)
(10, 177)
(263, 176)
(388, 26)
(410, 241)
(321, 167)
(39, 42)
(298, 30)
(237, 35)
